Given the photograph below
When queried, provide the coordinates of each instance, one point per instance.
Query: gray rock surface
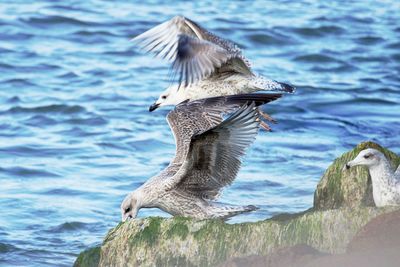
(342, 207)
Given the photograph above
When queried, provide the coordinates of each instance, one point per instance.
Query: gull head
(130, 206)
(171, 96)
(368, 157)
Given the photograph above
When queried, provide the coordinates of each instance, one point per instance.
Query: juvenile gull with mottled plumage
(385, 181)
(206, 65)
(207, 158)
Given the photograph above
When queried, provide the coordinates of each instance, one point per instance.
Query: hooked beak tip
(346, 166)
(153, 107)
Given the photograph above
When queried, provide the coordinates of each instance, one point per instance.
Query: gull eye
(128, 210)
(367, 156)
(164, 97)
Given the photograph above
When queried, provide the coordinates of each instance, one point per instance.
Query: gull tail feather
(225, 212)
(260, 83)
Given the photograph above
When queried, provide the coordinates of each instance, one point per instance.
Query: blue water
(76, 135)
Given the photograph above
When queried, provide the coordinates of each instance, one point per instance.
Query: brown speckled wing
(214, 157)
(192, 118)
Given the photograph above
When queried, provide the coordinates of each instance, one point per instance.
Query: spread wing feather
(195, 52)
(192, 118)
(213, 159)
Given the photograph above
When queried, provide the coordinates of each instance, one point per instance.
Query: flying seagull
(206, 65)
(207, 158)
(385, 181)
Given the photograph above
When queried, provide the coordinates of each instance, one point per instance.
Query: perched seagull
(206, 64)
(207, 158)
(385, 181)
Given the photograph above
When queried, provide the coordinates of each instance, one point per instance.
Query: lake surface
(76, 135)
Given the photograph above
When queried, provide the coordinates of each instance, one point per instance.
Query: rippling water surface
(76, 135)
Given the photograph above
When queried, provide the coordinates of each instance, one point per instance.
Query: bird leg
(265, 126)
(266, 116)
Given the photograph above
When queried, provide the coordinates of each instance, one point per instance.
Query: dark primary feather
(196, 53)
(197, 59)
(213, 159)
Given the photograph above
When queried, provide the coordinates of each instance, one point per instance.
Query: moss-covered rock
(348, 188)
(88, 258)
(185, 242)
(376, 244)
(340, 211)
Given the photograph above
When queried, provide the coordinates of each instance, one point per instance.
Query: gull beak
(154, 106)
(127, 218)
(347, 166)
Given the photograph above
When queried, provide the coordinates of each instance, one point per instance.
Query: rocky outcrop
(185, 242)
(89, 258)
(295, 256)
(376, 244)
(349, 188)
(382, 232)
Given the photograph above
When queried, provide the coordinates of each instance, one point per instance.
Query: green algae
(111, 232)
(178, 229)
(88, 258)
(150, 233)
(185, 242)
(158, 242)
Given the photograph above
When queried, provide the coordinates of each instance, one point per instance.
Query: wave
(316, 58)
(5, 248)
(55, 21)
(34, 151)
(23, 172)
(314, 31)
(54, 108)
(269, 39)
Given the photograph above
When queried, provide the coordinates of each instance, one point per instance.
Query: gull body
(212, 87)
(385, 180)
(206, 65)
(208, 158)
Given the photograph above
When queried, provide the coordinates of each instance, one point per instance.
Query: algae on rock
(89, 258)
(340, 211)
(185, 242)
(349, 188)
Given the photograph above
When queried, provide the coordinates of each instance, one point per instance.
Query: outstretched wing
(197, 59)
(195, 52)
(195, 117)
(213, 159)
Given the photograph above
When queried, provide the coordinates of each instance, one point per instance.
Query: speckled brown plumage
(208, 152)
